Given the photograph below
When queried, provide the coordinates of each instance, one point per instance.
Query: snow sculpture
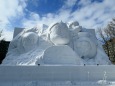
(24, 42)
(74, 28)
(59, 34)
(29, 40)
(58, 45)
(84, 46)
(61, 55)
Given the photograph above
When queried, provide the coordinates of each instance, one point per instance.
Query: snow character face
(59, 34)
(29, 40)
(84, 46)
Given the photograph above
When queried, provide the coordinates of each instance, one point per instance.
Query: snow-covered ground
(59, 83)
(57, 75)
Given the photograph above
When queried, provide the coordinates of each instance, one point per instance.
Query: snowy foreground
(59, 83)
(57, 75)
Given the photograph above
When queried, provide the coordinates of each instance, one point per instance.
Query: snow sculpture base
(61, 55)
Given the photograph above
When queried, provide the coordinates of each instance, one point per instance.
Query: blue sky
(31, 13)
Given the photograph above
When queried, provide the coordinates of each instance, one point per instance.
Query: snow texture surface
(58, 44)
(63, 55)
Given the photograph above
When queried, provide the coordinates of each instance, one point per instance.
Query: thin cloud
(90, 14)
(10, 10)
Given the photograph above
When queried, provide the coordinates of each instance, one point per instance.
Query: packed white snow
(63, 55)
(60, 43)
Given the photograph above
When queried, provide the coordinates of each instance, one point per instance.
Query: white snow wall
(56, 73)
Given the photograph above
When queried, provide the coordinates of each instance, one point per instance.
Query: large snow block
(60, 55)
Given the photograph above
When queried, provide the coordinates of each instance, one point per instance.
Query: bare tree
(110, 29)
(104, 39)
(108, 37)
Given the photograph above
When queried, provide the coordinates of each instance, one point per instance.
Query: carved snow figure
(66, 45)
(29, 40)
(61, 55)
(59, 34)
(26, 38)
(74, 30)
(84, 46)
(74, 26)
